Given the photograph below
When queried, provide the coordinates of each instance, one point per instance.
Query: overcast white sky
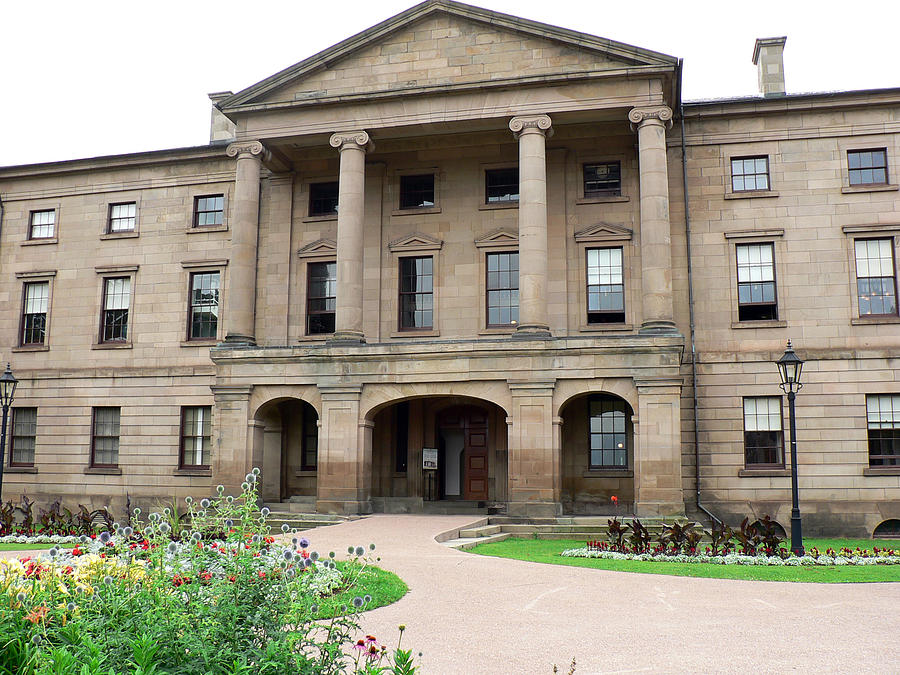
(90, 78)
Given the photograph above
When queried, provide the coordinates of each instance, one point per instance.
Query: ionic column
(532, 133)
(240, 315)
(656, 239)
(348, 318)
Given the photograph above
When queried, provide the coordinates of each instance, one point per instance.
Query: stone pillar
(348, 318)
(658, 489)
(532, 133)
(656, 239)
(534, 453)
(233, 437)
(345, 453)
(240, 315)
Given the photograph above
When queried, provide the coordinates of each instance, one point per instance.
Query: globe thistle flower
(105, 537)
(137, 511)
(256, 471)
(172, 547)
(360, 550)
(350, 550)
(128, 531)
(71, 607)
(229, 523)
(188, 500)
(314, 556)
(288, 555)
(371, 547)
(220, 489)
(36, 639)
(107, 580)
(307, 562)
(285, 527)
(331, 554)
(167, 511)
(21, 597)
(82, 539)
(343, 609)
(204, 503)
(368, 598)
(164, 528)
(304, 542)
(229, 499)
(250, 478)
(53, 552)
(357, 602)
(314, 609)
(256, 539)
(153, 517)
(245, 486)
(196, 536)
(264, 512)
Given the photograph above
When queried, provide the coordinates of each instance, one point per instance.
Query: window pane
(763, 434)
(416, 191)
(105, 440)
(416, 300)
(323, 198)
(501, 185)
(196, 431)
(42, 224)
(321, 297)
(502, 288)
(605, 286)
(122, 217)
(22, 437)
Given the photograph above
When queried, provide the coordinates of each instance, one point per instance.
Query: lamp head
(789, 368)
(8, 384)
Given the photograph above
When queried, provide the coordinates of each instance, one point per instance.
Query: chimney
(768, 56)
(220, 127)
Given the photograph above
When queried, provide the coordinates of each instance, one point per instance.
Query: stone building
(509, 288)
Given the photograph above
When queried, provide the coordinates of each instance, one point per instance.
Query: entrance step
(475, 532)
(455, 507)
(466, 543)
(300, 521)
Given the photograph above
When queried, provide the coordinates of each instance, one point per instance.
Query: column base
(347, 337)
(343, 508)
(237, 340)
(534, 509)
(532, 331)
(656, 327)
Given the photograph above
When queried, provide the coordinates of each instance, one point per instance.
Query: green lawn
(32, 547)
(548, 550)
(384, 587)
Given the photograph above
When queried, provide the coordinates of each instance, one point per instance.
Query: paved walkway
(476, 615)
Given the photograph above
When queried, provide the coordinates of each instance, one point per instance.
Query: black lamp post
(789, 367)
(8, 384)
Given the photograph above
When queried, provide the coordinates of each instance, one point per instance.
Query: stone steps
(483, 531)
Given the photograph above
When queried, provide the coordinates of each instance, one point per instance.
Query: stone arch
(887, 529)
(265, 394)
(375, 397)
(566, 390)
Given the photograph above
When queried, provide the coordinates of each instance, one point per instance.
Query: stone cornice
(604, 232)
(321, 248)
(415, 242)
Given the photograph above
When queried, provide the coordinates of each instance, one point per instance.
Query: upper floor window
(875, 277)
(323, 198)
(749, 173)
(209, 210)
(42, 225)
(116, 300)
(196, 433)
(105, 437)
(204, 309)
(501, 185)
(417, 191)
(502, 289)
(34, 313)
(416, 293)
(24, 432)
(605, 286)
(607, 431)
(763, 432)
(756, 282)
(867, 167)
(122, 217)
(321, 297)
(603, 179)
(883, 421)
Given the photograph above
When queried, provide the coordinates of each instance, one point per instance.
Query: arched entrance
(285, 446)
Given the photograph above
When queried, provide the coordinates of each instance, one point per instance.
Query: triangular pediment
(604, 232)
(319, 248)
(498, 237)
(415, 242)
(441, 43)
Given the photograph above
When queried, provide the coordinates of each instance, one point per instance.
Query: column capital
(531, 124)
(241, 149)
(653, 114)
(344, 139)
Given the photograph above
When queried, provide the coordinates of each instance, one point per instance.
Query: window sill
(606, 327)
(414, 211)
(103, 471)
(881, 471)
(20, 469)
(612, 199)
(493, 206)
(878, 187)
(120, 235)
(38, 242)
(200, 473)
(751, 194)
(412, 333)
(764, 473)
(199, 343)
(206, 228)
(111, 345)
(319, 219)
(608, 473)
(305, 474)
(321, 337)
(759, 324)
(30, 348)
(500, 330)
(867, 320)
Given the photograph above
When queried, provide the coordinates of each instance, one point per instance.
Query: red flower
(261, 574)
(615, 500)
(37, 614)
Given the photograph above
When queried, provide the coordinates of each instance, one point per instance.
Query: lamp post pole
(789, 368)
(8, 384)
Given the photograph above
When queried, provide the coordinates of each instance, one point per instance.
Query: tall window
(501, 185)
(105, 437)
(323, 198)
(321, 297)
(416, 293)
(608, 437)
(24, 431)
(416, 191)
(502, 289)
(196, 431)
(34, 313)
(209, 210)
(310, 459)
(605, 286)
(116, 298)
(122, 217)
(875, 279)
(603, 179)
(763, 432)
(204, 319)
(756, 282)
(883, 421)
(42, 225)
(867, 167)
(749, 173)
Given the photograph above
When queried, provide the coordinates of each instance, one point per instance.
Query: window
(416, 191)
(204, 310)
(502, 289)
(603, 179)
(605, 287)
(749, 173)
(196, 425)
(310, 459)
(883, 417)
(209, 210)
(867, 167)
(43, 224)
(756, 282)
(607, 435)
(34, 313)
(105, 438)
(875, 282)
(323, 199)
(501, 185)
(763, 432)
(116, 298)
(122, 217)
(321, 290)
(24, 430)
(416, 293)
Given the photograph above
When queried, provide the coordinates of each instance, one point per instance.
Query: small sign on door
(429, 458)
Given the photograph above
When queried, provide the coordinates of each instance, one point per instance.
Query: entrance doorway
(463, 453)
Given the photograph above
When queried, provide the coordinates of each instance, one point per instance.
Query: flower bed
(865, 558)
